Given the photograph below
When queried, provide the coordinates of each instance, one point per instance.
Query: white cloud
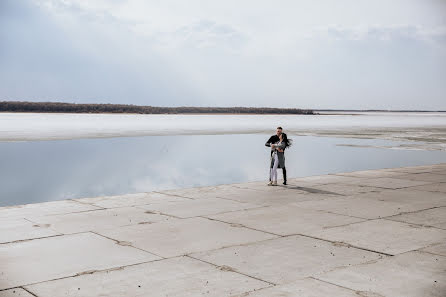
(255, 53)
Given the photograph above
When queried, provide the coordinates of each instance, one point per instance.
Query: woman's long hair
(288, 142)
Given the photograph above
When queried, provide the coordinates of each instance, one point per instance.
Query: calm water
(52, 170)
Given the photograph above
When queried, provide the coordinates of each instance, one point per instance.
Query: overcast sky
(346, 54)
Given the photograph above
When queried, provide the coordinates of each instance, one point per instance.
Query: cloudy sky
(346, 54)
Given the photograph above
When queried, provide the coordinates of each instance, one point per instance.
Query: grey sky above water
(350, 54)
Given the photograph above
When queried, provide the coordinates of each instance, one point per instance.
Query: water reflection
(53, 170)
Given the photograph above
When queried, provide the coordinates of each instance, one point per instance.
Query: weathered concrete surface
(181, 276)
(198, 207)
(346, 190)
(384, 236)
(179, 237)
(129, 200)
(285, 220)
(98, 220)
(387, 182)
(411, 274)
(440, 187)
(358, 207)
(429, 177)
(44, 259)
(46, 208)
(435, 217)
(438, 249)
(307, 287)
(18, 292)
(21, 229)
(370, 233)
(286, 259)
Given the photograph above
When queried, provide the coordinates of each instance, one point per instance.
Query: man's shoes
(285, 183)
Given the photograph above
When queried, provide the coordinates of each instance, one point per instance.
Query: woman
(278, 157)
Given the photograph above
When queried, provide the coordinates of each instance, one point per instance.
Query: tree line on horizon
(61, 107)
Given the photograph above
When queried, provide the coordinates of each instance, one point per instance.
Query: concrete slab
(286, 259)
(45, 208)
(384, 236)
(279, 197)
(373, 173)
(244, 242)
(198, 192)
(180, 276)
(411, 274)
(130, 200)
(49, 258)
(21, 229)
(429, 177)
(184, 236)
(417, 169)
(413, 200)
(435, 217)
(285, 220)
(276, 196)
(387, 182)
(438, 249)
(355, 207)
(442, 171)
(99, 219)
(327, 179)
(257, 185)
(440, 187)
(198, 207)
(17, 292)
(307, 287)
(347, 190)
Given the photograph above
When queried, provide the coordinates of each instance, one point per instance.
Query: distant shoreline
(60, 107)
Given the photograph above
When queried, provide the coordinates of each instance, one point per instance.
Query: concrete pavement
(375, 233)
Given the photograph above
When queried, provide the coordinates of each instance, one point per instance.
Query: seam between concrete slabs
(383, 217)
(29, 239)
(360, 293)
(31, 293)
(363, 220)
(345, 244)
(173, 195)
(427, 183)
(126, 244)
(228, 268)
(84, 273)
(238, 225)
(203, 216)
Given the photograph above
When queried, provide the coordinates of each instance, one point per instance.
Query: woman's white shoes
(275, 183)
(270, 183)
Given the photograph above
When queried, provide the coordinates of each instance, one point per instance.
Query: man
(273, 139)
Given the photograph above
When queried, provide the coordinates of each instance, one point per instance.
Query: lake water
(37, 171)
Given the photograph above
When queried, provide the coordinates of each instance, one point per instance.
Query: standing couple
(278, 144)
